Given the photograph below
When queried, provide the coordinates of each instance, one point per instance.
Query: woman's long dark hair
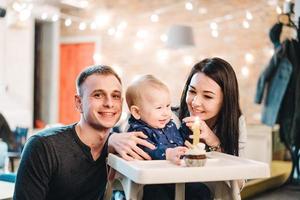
(227, 124)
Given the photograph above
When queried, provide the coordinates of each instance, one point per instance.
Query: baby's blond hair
(138, 88)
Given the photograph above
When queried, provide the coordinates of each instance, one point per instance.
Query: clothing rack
(294, 177)
(295, 173)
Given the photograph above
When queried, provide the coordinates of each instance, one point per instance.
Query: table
(6, 190)
(219, 167)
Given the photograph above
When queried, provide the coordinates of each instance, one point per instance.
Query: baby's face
(155, 107)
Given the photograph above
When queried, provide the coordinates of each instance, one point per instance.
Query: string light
(164, 38)
(245, 71)
(138, 45)
(189, 6)
(162, 55)
(24, 15)
(68, 22)
(249, 15)
(246, 24)
(154, 18)
(271, 51)
(119, 34)
(104, 18)
(93, 26)
(97, 58)
(55, 17)
(215, 33)
(82, 26)
(278, 10)
(83, 3)
(17, 6)
(213, 25)
(249, 58)
(44, 16)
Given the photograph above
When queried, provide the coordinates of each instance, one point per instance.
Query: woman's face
(204, 97)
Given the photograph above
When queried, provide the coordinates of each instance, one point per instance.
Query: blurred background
(44, 44)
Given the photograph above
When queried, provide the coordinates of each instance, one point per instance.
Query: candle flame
(197, 121)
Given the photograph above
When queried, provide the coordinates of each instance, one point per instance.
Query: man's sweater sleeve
(35, 171)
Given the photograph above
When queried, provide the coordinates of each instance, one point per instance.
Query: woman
(211, 93)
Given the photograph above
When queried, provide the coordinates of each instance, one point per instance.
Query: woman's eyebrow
(192, 87)
(205, 91)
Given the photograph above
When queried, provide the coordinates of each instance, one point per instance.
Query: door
(73, 59)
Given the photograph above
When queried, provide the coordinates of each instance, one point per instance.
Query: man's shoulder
(57, 132)
(51, 136)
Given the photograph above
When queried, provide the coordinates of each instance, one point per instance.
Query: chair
(21, 137)
(20, 134)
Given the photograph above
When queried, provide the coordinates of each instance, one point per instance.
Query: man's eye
(168, 106)
(117, 97)
(159, 107)
(98, 95)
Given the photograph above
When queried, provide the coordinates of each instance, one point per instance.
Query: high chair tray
(218, 167)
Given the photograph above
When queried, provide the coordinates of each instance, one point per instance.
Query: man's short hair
(96, 69)
(139, 86)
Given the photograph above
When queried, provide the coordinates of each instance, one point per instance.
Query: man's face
(101, 101)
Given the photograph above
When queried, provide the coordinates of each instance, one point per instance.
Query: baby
(149, 102)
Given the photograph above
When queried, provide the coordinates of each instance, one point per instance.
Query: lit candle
(196, 131)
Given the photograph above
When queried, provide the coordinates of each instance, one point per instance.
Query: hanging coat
(273, 83)
(282, 101)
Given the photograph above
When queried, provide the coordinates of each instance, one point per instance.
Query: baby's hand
(174, 154)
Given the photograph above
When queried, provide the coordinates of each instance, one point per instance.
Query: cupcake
(196, 156)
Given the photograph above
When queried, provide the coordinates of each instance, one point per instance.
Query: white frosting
(199, 149)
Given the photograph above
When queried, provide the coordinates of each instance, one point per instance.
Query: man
(69, 162)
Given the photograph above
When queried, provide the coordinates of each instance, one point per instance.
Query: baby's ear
(135, 111)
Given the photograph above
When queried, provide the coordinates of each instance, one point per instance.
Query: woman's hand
(125, 144)
(206, 134)
(173, 154)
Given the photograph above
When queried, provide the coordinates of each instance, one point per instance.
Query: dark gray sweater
(56, 165)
